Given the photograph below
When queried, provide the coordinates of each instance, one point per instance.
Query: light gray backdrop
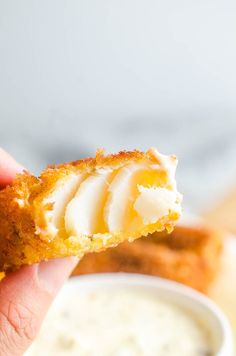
(80, 74)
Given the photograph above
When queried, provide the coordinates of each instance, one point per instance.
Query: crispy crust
(24, 234)
(188, 255)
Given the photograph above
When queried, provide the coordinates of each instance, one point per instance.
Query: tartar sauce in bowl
(120, 321)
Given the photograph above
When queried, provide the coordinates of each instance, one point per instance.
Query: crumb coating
(25, 236)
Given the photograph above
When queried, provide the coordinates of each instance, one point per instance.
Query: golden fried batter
(86, 206)
(188, 255)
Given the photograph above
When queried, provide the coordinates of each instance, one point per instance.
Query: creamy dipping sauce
(120, 322)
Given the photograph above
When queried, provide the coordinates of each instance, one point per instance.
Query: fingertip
(8, 168)
(7, 159)
(53, 273)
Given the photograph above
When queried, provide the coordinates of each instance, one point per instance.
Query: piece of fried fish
(87, 206)
(189, 255)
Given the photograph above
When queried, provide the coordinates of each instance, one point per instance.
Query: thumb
(25, 297)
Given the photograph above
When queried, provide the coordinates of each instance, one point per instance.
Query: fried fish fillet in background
(87, 206)
(189, 255)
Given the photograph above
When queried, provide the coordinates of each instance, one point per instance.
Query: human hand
(25, 295)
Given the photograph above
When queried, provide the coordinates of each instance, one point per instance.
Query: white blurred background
(81, 74)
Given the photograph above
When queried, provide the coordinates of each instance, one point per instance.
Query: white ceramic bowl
(186, 297)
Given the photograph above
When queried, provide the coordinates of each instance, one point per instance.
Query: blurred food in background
(223, 213)
(223, 290)
(189, 255)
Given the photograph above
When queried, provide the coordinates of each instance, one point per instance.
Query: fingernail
(53, 273)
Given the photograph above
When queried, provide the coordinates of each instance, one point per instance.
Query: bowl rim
(121, 279)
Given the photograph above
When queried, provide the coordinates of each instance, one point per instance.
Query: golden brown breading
(188, 255)
(74, 208)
